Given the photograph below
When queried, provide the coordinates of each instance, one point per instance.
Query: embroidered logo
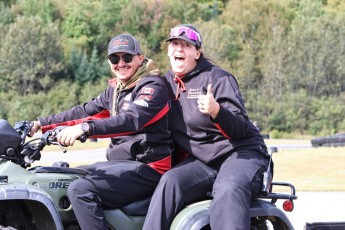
(141, 103)
(128, 97)
(147, 90)
(193, 93)
(120, 42)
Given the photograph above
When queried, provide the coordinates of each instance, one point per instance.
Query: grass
(308, 169)
(314, 169)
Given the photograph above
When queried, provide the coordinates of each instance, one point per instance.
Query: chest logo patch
(128, 97)
(193, 93)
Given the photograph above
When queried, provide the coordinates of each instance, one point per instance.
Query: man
(132, 111)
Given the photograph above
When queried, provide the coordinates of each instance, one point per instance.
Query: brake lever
(62, 147)
(49, 138)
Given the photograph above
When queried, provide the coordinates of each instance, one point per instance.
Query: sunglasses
(115, 59)
(189, 33)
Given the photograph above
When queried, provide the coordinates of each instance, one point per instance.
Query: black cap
(185, 38)
(125, 43)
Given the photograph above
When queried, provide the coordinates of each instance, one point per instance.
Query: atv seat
(137, 208)
(50, 169)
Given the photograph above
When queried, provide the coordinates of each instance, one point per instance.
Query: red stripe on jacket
(101, 115)
(158, 116)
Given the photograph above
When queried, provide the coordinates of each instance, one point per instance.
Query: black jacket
(139, 131)
(198, 134)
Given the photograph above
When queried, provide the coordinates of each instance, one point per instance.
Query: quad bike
(36, 197)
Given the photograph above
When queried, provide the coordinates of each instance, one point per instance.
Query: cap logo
(121, 42)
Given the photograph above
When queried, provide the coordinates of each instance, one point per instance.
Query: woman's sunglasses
(115, 59)
(189, 33)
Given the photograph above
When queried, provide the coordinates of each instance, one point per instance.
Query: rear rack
(288, 204)
(275, 196)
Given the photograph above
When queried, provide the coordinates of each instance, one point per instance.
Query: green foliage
(46, 10)
(30, 56)
(84, 69)
(226, 48)
(6, 16)
(14, 107)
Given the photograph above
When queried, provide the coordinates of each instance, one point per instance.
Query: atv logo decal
(61, 183)
(58, 185)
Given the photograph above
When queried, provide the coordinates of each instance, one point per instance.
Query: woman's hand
(207, 104)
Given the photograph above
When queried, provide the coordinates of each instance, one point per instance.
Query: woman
(227, 154)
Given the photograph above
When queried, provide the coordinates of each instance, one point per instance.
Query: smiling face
(183, 56)
(125, 71)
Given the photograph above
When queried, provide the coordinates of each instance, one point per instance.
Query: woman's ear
(198, 54)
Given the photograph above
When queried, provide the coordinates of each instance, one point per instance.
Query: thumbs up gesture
(207, 104)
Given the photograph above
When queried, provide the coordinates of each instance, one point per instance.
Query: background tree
(30, 56)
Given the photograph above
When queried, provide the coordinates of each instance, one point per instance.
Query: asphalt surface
(310, 207)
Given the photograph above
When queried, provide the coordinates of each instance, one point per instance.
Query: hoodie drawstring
(180, 84)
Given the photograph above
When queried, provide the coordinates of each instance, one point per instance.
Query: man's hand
(207, 104)
(68, 135)
(35, 127)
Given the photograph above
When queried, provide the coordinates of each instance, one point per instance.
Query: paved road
(72, 156)
(309, 207)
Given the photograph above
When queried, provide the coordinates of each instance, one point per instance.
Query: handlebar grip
(82, 138)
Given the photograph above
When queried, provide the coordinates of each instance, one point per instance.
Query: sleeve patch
(141, 102)
(146, 90)
(145, 97)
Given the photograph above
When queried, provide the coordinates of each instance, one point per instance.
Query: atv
(36, 197)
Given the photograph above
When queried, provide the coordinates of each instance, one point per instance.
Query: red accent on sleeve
(222, 131)
(101, 115)
(162, 165)
(158, 116)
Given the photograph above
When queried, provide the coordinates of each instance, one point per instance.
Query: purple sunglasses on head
(189, 33)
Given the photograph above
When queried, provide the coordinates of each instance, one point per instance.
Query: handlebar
(27, 152)
(49, 138)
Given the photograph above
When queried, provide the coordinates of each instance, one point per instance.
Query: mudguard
(196, 216)
(37, 202)
(193, 216)
(266, 209)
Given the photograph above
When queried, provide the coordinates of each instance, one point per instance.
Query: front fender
(39, 204)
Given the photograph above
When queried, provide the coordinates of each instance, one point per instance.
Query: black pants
(109, 184)
(232, 185)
